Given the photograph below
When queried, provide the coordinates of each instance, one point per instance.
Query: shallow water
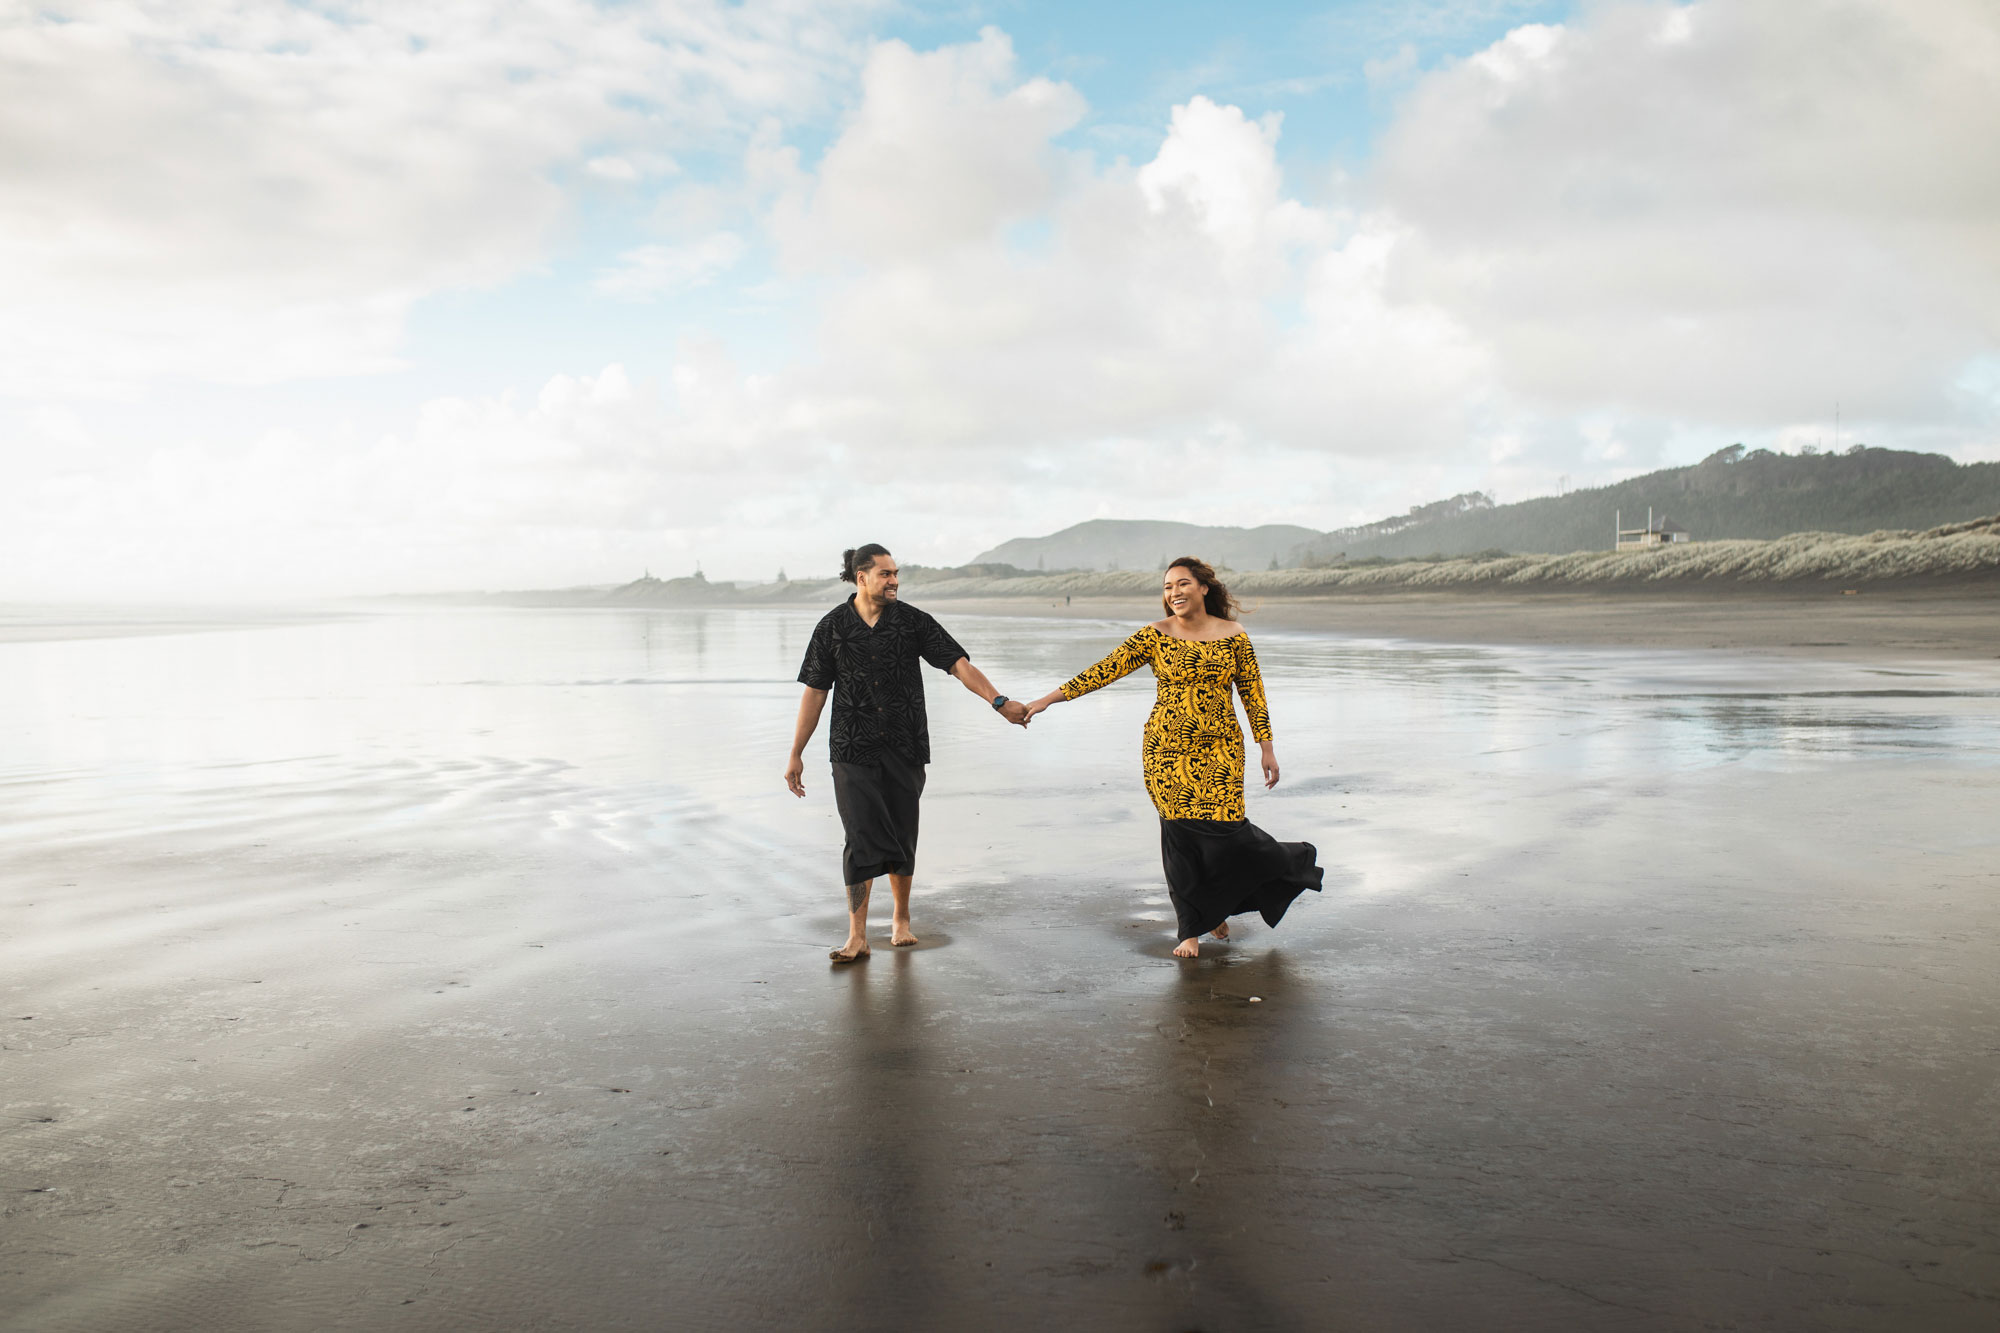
(1647, 990)
(654, 720)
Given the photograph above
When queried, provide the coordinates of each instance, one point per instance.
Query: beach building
(1662, 531)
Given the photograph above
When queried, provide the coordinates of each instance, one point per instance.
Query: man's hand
(975, 680)
(810, 704)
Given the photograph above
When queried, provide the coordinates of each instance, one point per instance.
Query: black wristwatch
(999, 702)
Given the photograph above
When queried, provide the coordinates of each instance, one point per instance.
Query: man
(866, 651)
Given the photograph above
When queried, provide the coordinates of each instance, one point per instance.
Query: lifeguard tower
(1662, 531)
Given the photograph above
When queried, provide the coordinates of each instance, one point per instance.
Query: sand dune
(1956, 552)
(1965, 553)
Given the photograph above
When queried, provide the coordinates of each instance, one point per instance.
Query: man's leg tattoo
(857, 895)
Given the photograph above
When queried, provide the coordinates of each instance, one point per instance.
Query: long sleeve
(1250, 684)
(1123, 660)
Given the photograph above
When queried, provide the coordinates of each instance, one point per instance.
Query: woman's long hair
(1217, 602)
(857, 558)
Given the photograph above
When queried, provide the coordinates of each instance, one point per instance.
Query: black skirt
(878, 810)
(1217, 868)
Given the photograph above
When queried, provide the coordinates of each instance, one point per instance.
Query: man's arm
(810, 706)
(975, 680)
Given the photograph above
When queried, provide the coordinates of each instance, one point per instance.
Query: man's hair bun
(858, 558)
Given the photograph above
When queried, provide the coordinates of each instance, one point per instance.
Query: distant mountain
(1105, 543)
(1730, 494)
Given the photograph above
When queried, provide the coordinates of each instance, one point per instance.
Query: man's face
(879, 579)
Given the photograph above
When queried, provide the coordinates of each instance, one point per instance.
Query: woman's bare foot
(1188, 949)
(899, 934)
(851, 952)
(1221, 931)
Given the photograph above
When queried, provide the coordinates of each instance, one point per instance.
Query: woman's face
(1182, 593)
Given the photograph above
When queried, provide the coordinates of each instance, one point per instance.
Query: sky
(357, 296)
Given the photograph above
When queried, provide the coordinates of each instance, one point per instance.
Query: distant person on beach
(1218, 863)
(867, 651)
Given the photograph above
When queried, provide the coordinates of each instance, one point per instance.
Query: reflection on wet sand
(1219, 1045)
(423, 980)
(882, 1133)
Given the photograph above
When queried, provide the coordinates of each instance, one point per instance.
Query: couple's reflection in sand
(1222, 1257)
(890, 1139)
(1148, 1193)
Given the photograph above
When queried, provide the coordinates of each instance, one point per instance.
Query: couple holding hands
(867, 652)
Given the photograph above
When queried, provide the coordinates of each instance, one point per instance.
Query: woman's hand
(1270, 760)
(1043, 704)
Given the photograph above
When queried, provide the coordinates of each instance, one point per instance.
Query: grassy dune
(1957, 552)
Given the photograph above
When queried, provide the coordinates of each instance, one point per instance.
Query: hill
(1964, 555)
(1731, 494)
(1111, 544)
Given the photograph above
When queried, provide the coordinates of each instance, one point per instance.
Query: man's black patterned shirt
(877, 684)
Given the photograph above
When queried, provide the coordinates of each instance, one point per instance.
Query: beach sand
(1938, 621)
(469, 971)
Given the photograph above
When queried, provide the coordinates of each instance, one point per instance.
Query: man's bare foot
(900, 936)
(1188, 949)
(1221, 931)
(851, 952)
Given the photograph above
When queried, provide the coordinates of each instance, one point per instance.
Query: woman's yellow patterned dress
(1193, 748)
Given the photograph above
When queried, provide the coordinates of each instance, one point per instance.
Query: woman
(1218, 863)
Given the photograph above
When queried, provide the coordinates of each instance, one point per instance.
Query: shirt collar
(889, 609)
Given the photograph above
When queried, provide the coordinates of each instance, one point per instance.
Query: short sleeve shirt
(877, 680)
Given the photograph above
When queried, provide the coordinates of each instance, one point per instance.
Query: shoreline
(1955, 620)
(1958, 624)
(1914, 619)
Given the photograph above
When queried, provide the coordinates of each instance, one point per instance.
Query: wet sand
(1881, 622)
(449, 972)
(37, 624)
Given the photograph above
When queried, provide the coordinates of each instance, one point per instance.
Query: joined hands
(1022, 711)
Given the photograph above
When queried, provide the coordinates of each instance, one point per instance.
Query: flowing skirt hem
(1219, 868)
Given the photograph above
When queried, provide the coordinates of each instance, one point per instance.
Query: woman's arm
(1119, 663)
(1043, 704)
(1250, 688)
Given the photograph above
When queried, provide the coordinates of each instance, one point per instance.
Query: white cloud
(1391, 71)
(616, 169)
(578, 482)
(250, 192)
(1734, 212)
(1586, 250)
(1189, 298)
(1224, 170)
(658, 270)
(941, 153)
